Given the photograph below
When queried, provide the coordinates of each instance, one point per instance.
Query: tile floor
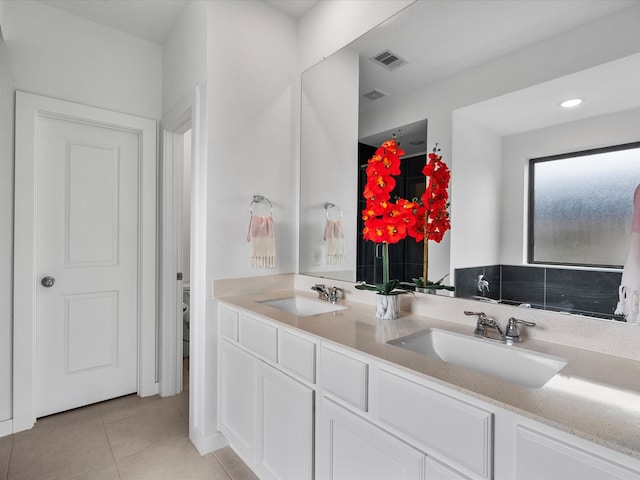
(128, 438)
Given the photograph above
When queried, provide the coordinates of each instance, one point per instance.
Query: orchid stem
(385, 263)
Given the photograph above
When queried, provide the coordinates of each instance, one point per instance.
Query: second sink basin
(526, 368)
(302, 306)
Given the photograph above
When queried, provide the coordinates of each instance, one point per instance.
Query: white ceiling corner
(293, 8)
(151, 20)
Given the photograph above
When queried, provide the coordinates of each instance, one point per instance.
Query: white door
(87, 243)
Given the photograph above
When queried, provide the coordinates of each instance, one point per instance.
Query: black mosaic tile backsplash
(584, 292)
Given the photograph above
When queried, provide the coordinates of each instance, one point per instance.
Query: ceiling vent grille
(388, 60)
(374, 94)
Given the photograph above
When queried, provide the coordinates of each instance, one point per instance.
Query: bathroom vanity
(326, 396)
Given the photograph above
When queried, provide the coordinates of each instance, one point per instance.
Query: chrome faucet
(484, 322)
(323, 293)
(509, 336)
(334, 294)
(329, 294)
(512, 333)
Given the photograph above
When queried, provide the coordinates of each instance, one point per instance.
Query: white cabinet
(265, 413)
(375, 420)
(344, 376)
(237, 398)
(297, 355)
(547, 455)
(457, 431)
(439, 471)
(350, 448)
(259, 336)
(375, 423)
(285, 423)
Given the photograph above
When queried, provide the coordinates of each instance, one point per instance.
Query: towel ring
(328, 206)
(260, 199)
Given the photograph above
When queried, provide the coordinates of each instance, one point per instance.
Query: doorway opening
(185, 232)
(176, 238)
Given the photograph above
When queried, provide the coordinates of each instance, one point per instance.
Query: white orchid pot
(387, 306)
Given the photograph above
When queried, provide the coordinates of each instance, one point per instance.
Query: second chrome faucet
(330, 294)
(510, 335)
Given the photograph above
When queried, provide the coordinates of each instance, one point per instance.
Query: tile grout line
(6, 472)
(106, 434)
(224, 467)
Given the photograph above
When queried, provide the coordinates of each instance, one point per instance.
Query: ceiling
(442, 38)
(434, 39)
(293, 8)
(151, 19)
(538, 106)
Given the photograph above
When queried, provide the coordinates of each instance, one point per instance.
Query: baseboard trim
(207, 444)
(6, 427)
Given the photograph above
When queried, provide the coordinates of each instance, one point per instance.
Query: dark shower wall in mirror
(583, 292)
(405, 257)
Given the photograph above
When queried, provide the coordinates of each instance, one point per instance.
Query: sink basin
(302, 306)
(526, 368)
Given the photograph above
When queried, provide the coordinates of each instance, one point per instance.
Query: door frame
(174, 126)
(30, 108)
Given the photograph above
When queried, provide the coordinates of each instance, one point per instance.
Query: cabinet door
(439, 471)
(237, 399)
(541, 456)
(285, 418)
(351, 448)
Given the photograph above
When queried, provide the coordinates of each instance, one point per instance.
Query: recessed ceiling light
(573, 102)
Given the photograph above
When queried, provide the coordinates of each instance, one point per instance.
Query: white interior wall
(253, 107)
(184, 60)
(329, 26)
(476, 194)
(250, 132)
(6, 231)
(249, 138)
(60, 55)
(602, 131)
(329, 146)
(52, 53)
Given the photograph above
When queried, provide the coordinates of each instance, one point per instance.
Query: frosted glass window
(581, 206)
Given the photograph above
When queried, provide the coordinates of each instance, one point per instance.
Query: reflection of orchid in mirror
(436, 203)
(435, 198)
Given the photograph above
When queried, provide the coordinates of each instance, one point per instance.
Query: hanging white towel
(262, 238)
(629, 291)
(334, 238)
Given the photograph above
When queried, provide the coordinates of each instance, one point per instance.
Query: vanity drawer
(451, 428)
(297, 354)
(564, 459)
(228, 323)
(344, 376)
(260, 337)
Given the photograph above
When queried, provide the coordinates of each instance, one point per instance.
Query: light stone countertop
(595, 396)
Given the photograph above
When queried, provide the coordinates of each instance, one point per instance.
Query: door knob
(48, 282)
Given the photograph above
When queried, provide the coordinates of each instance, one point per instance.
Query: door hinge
(179, 275)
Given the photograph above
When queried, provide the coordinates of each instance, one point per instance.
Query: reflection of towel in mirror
(263, 241)
(334, 238)
(629, 301)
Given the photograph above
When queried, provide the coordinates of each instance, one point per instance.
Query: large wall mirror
(488, 77)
